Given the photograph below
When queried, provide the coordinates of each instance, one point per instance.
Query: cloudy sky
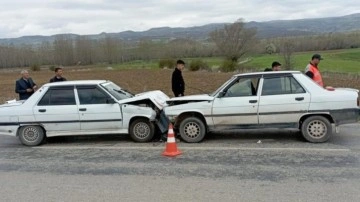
(48, 17)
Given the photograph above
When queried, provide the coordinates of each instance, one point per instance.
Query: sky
(48, 17)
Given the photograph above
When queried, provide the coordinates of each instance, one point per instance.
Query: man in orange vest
(312, 69)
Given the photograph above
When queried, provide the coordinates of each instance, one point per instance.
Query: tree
(63, 50)
(45, 53)
(270, 48)
(287, 49)
(234, 40)
(84, 50)
(111, 49)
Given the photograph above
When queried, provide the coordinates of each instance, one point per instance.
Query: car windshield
(116, 91)
(223, 86)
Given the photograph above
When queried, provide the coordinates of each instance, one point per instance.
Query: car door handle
(252, 101)
(82, 109)
(299, 98)
(42, 110)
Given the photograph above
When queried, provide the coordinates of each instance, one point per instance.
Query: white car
(82, 108)
(281, 99)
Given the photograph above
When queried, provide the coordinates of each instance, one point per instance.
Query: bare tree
(146, 49)
(84, 50)
(287, 49)
(234, 40)
(63, 50)
(111, 49)
(12, 56)
(45, 53)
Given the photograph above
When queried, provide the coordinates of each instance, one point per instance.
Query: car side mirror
(110, 101)
(222, 94)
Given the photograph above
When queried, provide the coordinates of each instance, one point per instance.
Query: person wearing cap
(177, 80)
(275, 66)
(312, 69)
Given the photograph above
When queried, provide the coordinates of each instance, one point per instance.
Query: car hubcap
(317, 129)
(142, 130)
(31, 134)
(192, 130)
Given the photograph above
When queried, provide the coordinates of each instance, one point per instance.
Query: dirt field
(139, 80)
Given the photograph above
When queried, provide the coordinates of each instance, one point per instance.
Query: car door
(236, 106)
(57, 110)
(283, 100)
(98, 111)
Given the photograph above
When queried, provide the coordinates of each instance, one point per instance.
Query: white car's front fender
(131, 111)
(203, 108)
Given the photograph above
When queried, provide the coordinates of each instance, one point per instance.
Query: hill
(268, 29)
(278, 28)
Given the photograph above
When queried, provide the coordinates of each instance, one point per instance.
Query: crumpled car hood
(203, 97)
(157, 97)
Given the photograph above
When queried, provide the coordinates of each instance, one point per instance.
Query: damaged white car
(82, 108)
(282, 99)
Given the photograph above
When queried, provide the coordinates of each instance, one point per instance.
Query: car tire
(142, 130)
(316, 129)
(31, 135)
(192, 130)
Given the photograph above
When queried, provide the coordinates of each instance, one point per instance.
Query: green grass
(136, 64)
(344, 61)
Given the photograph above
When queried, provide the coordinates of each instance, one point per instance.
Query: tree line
(233, 42)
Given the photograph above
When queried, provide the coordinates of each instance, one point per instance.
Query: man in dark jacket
(25, 86)
(178, 84)
(58, 75)
(275, 66)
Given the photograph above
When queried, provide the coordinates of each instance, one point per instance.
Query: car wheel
(142, 130)
(316, 129)
(192, 130)
(31, 135)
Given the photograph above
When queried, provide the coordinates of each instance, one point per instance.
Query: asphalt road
(267, 165)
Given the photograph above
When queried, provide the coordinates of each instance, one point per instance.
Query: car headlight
(172, 118)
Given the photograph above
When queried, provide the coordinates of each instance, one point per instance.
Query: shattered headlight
(172, 118)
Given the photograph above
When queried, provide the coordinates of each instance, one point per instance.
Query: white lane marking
(195, 148)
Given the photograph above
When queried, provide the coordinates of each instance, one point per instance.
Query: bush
(52, 68)
(198, 64)
(228, 66)
(270, 49)
(35, 67)
(167, 63)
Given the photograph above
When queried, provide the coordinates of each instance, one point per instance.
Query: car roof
(76, 82)
(96, 82)
(268, 72)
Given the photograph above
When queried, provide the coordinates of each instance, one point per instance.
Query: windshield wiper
(128, 92)
(124, 92)
(119, 91)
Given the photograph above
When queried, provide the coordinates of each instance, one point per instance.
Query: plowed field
(139, 80)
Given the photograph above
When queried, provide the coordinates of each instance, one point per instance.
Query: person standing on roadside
(312, 69)
(275, 66)
(25, 86)
(58, 75)
(177, 81)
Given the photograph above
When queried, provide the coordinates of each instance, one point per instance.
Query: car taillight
(358, 102)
